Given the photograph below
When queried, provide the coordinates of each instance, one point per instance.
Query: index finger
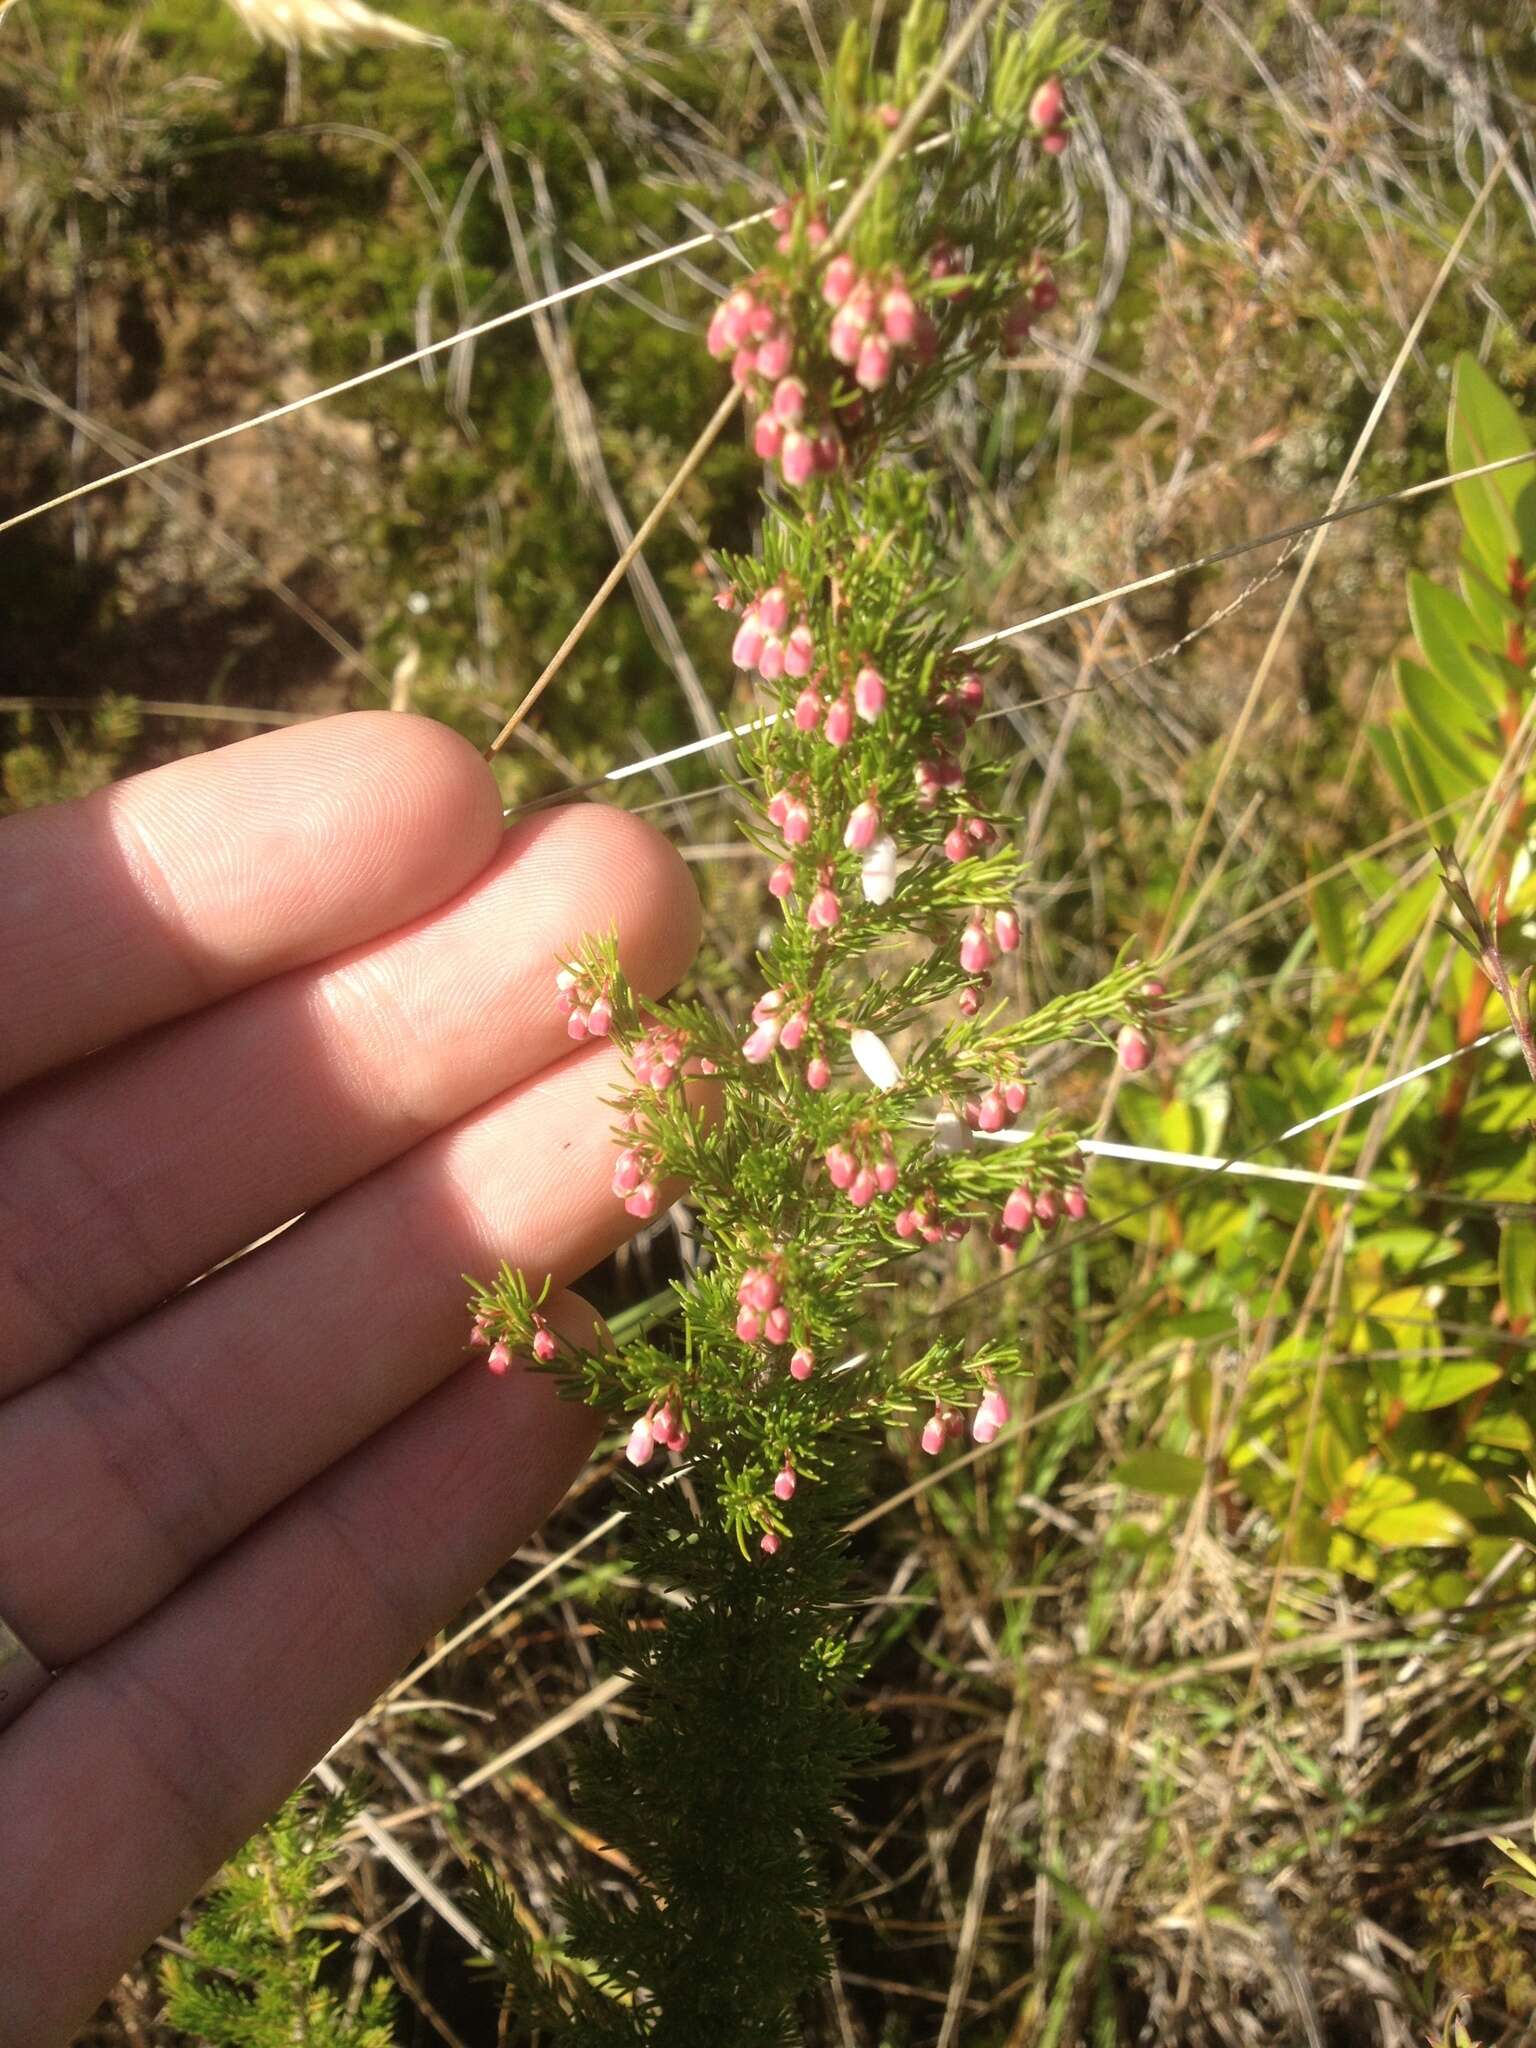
(179, 886)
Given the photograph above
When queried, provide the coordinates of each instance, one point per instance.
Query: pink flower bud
(793, 1032)
(991, 1112)
(817, 1073)
(716, 339)
(956, 844)
(873, 368)
(798, 459)
(749, 1325)
(600, 1018)
(817, 232)
(970, 1002)
(803, 1364)
(1046, 1212)
(808, 709)
(748, 644)
(1075, 1202)
(841, 1166)
(1016, 1095)
(906, 1223)
(1134, 1048)
(898, 316)
(781, 880)
(935, 1435)
(887, 1173)
(972, 693)
(776, 1325)
(773, 357)
(799, 657)
(736, 317)
(1054, 144)
(838, 280)
(1019, 1210)
(773, 609)
(1048, 107)
(839, 725)
(1018, 322)
(846, 338)
(975, 953)
(990, 1417)
(758, 1289)
(797, 822)
(545, 1349)
(863, 826)
(768, 1543)
(499, 1357)
(641, 1447)
(761, 321)
(744, 367)
(645, 1200)
(478, 1333)
(784, 1484)
(760, 1045)
(788, 400)
(1005, 929)
(782, 216)
(864, 1188)
(666, 1428)
(824, 910)
(767, 438)
(828, 452)
(869, 693)
(770, 663)
(576, 1025)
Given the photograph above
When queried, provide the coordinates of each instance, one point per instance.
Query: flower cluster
(884, 825)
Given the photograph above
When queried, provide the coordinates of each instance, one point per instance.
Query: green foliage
(1388, 1434)
(253, 1975)
(723, 1795)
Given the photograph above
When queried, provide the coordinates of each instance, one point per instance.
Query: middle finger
(124, 1473)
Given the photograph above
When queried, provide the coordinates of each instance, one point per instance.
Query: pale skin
(305, 975)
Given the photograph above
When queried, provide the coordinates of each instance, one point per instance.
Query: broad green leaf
(1430, 776)
(1386, 1512)
(1384, 745)
(1502, 1430)
(1330, 901)
(1517, 1268)
(1487, 602)
(1399, 928)
(1422, 1384)
(1484, 427)
(1448, 633)
(1152, 1470)
(1447, 721)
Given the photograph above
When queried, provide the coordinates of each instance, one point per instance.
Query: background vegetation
(1207, 1692)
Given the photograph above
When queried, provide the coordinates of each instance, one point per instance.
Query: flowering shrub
(834, 1128)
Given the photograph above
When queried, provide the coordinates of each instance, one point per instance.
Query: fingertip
(648, 893)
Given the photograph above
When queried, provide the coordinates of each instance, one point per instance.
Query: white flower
(327, 24)
(877, 873)
(874, 1057)
(952, 1133)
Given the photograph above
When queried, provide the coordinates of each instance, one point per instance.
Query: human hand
(306, 973)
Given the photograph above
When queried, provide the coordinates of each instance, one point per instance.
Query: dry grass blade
(1309, 560)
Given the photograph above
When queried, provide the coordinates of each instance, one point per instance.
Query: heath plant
(873, 1101)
